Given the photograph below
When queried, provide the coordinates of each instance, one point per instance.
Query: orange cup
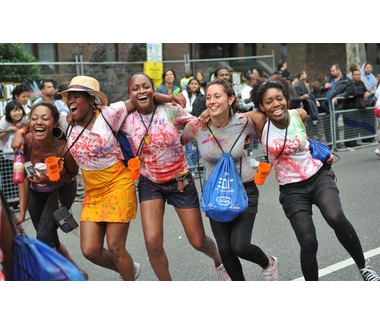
(54, 165)
(134, 167)
(263, 170)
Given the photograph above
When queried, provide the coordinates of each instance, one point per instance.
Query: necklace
(145, 138)
(218, 129)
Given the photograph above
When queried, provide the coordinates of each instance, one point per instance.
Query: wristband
(170, 98)
(22, 131)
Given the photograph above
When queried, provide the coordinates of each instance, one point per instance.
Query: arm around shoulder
(258, 118)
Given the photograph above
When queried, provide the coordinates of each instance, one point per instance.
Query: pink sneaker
(222, 273)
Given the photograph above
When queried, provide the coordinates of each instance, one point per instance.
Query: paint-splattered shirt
(295, 163)
(161, 152)
(97, 149)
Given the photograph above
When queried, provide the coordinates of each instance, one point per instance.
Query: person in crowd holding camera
(165, 175)
(302, 179)
(37, 192)
(234, 237)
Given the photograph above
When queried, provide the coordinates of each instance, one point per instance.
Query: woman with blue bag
(228, 130)
(301, 176)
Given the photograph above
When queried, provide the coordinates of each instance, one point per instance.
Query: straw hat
(88, 84)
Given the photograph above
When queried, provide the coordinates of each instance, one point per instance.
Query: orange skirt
(110, 195)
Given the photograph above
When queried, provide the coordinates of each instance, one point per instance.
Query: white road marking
(341, 265)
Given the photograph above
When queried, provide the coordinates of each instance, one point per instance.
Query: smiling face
(42, 122)
(140, 92)
(16, 114)
(80, 104)
(169, 76)
(274, 104)
(217, 101)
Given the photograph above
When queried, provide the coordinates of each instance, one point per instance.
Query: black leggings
(41, 207)
(329, 204)
(234, 240)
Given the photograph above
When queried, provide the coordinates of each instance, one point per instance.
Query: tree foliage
(13, 53)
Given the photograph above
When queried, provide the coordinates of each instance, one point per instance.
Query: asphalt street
(195, 295)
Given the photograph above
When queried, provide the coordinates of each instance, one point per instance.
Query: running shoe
(369, 275)
(137, 270)
(271, 273)
(222, 273)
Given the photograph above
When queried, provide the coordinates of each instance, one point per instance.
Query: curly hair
(278, 82)
(228, 90)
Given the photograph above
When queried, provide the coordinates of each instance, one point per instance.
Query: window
(44, 52)
(284, 52)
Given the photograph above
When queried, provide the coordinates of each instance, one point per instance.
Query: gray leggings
(41, 207)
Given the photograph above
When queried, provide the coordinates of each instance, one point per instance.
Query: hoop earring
(61, 134)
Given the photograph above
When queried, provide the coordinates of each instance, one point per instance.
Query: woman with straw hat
(110, 196)
(104, 214)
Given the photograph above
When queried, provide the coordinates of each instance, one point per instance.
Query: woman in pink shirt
(165, 175)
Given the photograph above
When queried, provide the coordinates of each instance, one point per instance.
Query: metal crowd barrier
(358, 124)
(9, 189)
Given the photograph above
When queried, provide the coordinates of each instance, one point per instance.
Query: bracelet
(170, 98)
(22, 131)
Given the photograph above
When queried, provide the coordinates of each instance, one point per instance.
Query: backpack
(123, 141)
(224, 196)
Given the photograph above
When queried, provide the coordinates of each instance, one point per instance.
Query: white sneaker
(271, 273)
(222, 273)
(369, 275)
(137, 270)
(377, 151)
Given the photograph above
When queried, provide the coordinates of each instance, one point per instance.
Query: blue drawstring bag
(123, 141)
(33, 260)
(224, 196)
(320, 151)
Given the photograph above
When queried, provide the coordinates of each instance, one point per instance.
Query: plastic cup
(40, 169)
(134, 167)
(263, 170)
(54, 166)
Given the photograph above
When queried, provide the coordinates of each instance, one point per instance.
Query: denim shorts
(302, 195)
(169, 192)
